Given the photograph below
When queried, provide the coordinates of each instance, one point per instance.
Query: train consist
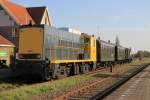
(50, 52)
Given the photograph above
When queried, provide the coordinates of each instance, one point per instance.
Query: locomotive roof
(121, 47)
(52, 27)
(113, 44)
(107, 42)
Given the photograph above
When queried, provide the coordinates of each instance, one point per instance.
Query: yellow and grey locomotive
(50, 52)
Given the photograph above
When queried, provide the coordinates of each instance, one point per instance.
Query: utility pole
(98, 31)
(117, 40)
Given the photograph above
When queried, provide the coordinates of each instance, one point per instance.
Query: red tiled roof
(5, 42)
(19, 13)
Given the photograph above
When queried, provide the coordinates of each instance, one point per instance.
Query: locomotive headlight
(38, 56)
(20, 56)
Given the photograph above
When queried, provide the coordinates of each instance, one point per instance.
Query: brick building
(6, 51)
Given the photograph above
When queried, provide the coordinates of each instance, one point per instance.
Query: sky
(127, 19)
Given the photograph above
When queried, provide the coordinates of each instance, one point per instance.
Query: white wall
(44, 19)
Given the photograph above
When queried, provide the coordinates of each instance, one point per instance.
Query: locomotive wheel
(84, 68)
(46, 73)
(87, 68)
(77, 69)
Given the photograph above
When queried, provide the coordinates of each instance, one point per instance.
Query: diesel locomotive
(49, 52)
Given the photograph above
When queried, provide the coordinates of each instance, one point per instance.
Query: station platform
(137, 88)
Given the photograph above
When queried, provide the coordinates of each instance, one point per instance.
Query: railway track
(123, 80)
(93, 85)
(100, 88)
(7, 82)
(137, 88)
(4, 73)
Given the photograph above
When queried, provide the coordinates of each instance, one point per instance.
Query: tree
(141, 54)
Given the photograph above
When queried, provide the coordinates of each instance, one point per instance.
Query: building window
(1, 8)
(14, 31)
(10, 18)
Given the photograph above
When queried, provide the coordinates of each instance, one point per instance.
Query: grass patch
(138, 62)
(25, 92)
(7, 86)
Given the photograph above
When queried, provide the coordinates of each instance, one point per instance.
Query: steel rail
(110, 89)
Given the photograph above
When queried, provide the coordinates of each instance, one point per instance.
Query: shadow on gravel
(6, 77)
(20, 80)
(108, 75)
(101, 75)
(134, 65)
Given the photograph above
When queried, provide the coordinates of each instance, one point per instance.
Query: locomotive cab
(31, 59)
(31, 43)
